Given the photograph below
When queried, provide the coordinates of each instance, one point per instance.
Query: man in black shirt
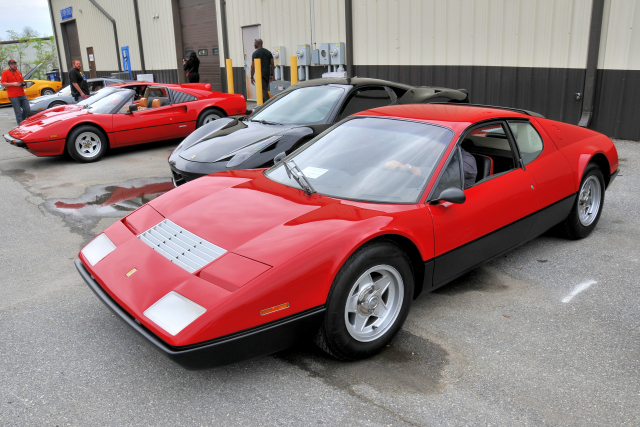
(266, 61)
(79, 86)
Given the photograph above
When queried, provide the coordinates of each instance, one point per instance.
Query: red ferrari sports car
(132, 113)
(337, 239)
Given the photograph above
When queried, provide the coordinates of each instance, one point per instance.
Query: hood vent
(180, 246)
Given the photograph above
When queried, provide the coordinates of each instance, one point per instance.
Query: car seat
(484, 165)
(156, 103)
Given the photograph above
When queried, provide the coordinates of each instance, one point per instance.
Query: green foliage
(45, 52)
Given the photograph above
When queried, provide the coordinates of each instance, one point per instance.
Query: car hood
(217, 139)
(40, 121)
(247, 213)
(55, 111)
(44, 98)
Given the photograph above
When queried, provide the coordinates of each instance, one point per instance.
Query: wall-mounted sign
(66, 13)
(215, 51)
(203, 52)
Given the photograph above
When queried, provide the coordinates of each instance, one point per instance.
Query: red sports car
(132, 113)
(338, 238)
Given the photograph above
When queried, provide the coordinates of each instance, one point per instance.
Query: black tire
(587, 208)
(87, 144)
(47, 91)
(339, 335)
(209, 115)
(56, 104)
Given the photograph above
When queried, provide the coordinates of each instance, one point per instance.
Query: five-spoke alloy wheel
(587, 207)
(86, 144)
(368, 302)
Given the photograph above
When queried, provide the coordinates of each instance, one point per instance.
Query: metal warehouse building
(572, 60)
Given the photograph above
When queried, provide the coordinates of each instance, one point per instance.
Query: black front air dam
(259, 341)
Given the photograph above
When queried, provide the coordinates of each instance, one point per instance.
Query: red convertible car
(132, 113)
(337, 239)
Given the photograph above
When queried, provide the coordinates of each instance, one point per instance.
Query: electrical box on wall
(279, 56)
(303, 52)
(324, 54)
(337, 52)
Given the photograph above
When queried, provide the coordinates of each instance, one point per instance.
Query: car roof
(445, 112)
(355, 81)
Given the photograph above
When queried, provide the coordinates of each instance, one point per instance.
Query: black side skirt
(259, 341)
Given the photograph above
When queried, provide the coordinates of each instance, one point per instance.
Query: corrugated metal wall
(95, 30)
(507, 33)
(617, 107)
(283, 23)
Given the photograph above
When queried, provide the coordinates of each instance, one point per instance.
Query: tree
(45, 51)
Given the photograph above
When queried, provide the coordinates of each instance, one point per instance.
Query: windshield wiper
(295, 173)
(266, 122)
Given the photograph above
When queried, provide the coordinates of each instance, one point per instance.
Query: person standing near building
(12, 80)
(266, 62)
(79, 86)
(192, 66)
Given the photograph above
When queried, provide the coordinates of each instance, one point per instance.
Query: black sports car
(288, 120)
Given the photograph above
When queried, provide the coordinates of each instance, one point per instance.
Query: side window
(528, 140)
(125, 107)
(364, 99)
(452, 176)
(491, 150)
(156, 96)
(29, 84)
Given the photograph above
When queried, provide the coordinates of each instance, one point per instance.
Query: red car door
(153, 121)
(497, 213)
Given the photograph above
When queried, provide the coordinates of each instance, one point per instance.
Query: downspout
(115, 31)
(135, 8)
(348, 18)
(597, 10)
(55, 36)
(225, 42)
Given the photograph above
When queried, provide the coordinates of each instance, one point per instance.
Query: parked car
(124, 117)
(337, 239)
(288, 120)
(64, 97)
(33, 89)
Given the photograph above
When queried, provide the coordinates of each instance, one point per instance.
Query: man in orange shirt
(13, 81)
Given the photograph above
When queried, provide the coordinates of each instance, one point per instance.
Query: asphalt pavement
(547, 335)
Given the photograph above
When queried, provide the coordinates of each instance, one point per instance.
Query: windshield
(308, 105)
(110, 103)
(359, 160)
(98, 95)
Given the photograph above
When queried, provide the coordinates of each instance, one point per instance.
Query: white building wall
(287, 23)
(620, 39)
(95, 30)
(158, 34)
(518, 33)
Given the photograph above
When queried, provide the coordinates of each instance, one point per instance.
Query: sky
(17, 14)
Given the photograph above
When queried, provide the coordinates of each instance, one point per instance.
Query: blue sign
(126, 61)
(66, 13)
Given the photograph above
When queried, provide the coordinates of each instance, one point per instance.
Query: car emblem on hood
(133, 270)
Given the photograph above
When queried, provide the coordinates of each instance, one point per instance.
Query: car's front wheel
(587, 208)
(368, 303)
(56, 104)
(87, 144)
(207, 116)
(47, 91)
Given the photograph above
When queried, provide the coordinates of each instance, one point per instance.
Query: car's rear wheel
(87, 144)
(587, 208)
(47, 91)
(368, 303)
(207, 116)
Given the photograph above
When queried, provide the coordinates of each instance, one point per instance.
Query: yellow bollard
(230, 76)
(258, 77)
(294, 70)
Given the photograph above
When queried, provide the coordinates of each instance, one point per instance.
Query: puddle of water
(108, 201)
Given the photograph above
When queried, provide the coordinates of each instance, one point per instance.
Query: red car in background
(132, 113)
(336, 240)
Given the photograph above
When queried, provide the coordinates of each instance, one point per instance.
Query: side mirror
(132, 108)
(452, 195)
(278, 158)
